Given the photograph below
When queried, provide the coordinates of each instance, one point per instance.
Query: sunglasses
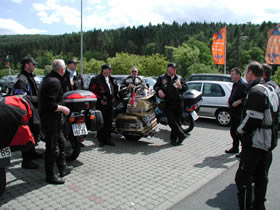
(134, 71)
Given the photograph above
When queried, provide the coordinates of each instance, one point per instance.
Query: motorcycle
(191, 99)
(83, 117)
(134, 116)
(5, 156)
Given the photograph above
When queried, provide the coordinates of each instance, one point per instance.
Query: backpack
(273, 98)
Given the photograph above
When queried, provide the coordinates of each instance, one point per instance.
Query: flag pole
(82, 36)
(225, 65)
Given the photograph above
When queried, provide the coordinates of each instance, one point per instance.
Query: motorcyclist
(132, 81)
(170, 87)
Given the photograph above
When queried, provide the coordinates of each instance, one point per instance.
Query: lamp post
(82, 36)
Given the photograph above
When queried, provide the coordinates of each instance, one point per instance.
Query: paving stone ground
(145, 174)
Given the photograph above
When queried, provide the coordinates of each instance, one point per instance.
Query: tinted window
(213, 90)
(195, 86)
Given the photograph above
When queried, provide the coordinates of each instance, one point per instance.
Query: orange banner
(218, 46)
(272, 55)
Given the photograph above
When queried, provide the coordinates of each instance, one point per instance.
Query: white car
(214, 103)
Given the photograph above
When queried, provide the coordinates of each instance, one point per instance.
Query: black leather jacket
(173, 95)
(77, 80)
(26, 85)
(100, 88)
(51, 94)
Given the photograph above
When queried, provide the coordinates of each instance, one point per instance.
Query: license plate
(5, 152)
(194, 115)
(79, 129)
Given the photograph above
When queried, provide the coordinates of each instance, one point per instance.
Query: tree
(123, 62)
(153, 65)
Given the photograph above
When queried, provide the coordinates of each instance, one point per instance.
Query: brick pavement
(148, 174)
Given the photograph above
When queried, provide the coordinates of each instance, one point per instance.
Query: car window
(213, 90)
(195, 86)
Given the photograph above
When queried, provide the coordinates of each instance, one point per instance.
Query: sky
(64, 16)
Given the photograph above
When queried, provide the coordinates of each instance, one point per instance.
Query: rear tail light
(81, 120)
(92, 117)
(192, 108)
(71, 119)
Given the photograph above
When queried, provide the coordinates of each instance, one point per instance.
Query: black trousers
(252, 168)
(104, 135)
(235, 122)
(51, 125)
(174, 115)
(27, 155)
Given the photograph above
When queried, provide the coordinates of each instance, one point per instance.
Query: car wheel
(223, 117)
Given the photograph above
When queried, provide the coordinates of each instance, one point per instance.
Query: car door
(214, 97)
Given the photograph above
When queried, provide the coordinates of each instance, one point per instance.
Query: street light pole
(82, 36)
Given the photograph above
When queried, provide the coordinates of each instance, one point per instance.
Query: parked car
(87, 78)
(214, 102)
(210, 77)
(7, 83)
(38, 79)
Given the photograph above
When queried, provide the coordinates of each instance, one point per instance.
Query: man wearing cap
(72, 80)
(170, 87)
(106, 91)
(26, 85)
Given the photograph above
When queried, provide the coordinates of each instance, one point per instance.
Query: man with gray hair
(51, 110)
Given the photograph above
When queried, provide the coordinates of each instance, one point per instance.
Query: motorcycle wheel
(188, 128)
(72, 149)
(2, 181)
(132, 138)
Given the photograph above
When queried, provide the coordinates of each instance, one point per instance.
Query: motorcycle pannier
(78, 100)
(191, 97)
(95, 120)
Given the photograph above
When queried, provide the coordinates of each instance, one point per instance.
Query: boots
(28, 164)
(54, 180)
(65, 171)
(63, 168)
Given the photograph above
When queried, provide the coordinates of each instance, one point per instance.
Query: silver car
(214, 102)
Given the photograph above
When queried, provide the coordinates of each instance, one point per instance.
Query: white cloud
(51, 12)
(17, 1)
(115, 13)
(9, 26)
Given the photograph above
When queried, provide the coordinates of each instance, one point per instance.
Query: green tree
(185, 56)
(123, 62)
(153, 65)
(92, 66)
(276, 76)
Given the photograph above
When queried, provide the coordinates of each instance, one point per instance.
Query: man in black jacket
(51, 109)
(26, 85)
(256, 130)
(238, 94)
(106, 91)
(170, 87)
(72, 80)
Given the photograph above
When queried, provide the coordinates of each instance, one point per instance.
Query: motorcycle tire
(2, 181)
(73, 149)
(188, 128)
(132, 138)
